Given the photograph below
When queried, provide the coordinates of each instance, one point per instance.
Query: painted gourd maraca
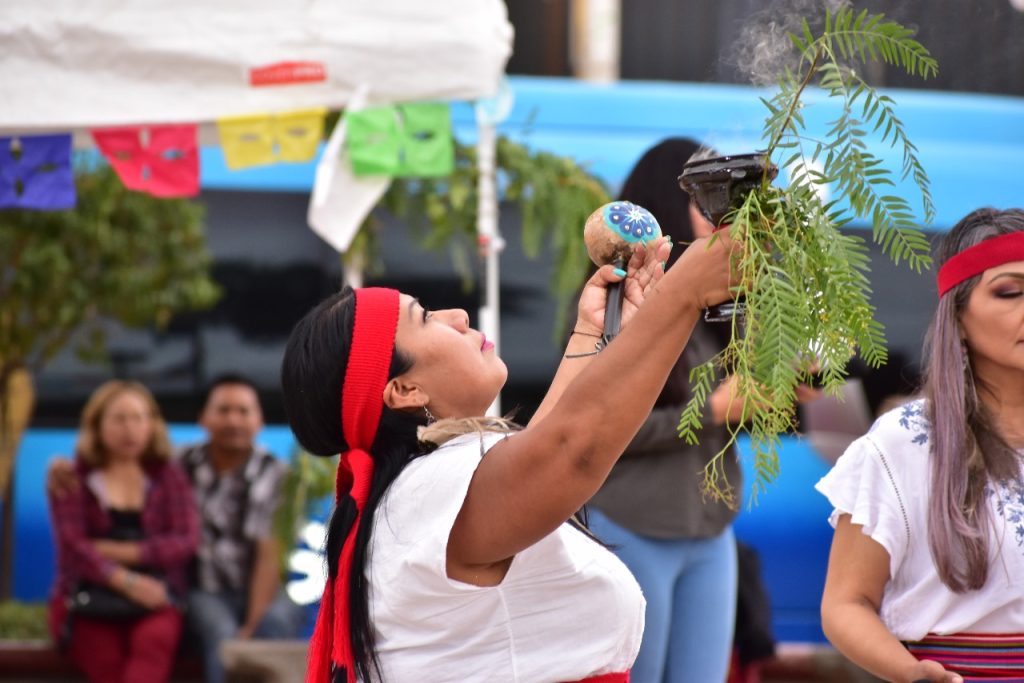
(612, 231)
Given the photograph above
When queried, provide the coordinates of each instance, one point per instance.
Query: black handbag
(100, 602)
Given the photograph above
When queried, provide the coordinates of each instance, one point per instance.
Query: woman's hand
(927, 670)
(61, 478)
(149, 592)
(710, 275)
(726, 405)
(645, 268)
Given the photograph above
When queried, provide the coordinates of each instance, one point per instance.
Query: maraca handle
(613, 312)
(613, 308)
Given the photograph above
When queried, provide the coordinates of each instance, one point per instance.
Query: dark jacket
(655, 488)
(170, 525)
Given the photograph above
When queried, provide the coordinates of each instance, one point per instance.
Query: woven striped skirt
(976, 656)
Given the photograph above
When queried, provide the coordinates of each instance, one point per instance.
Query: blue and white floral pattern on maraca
(611, 234)
(633, 223)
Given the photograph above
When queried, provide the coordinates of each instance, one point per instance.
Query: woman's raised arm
(532, 482)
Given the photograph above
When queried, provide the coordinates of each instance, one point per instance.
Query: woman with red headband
(453, 554)
(927, 565)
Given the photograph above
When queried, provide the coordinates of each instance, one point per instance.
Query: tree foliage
(554, 195)
(804, 280)
(118, 256)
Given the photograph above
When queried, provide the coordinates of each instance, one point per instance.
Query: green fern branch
(804, 281)
(887, 40)
(702, 378)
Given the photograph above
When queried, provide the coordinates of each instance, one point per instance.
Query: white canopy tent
(75, 65)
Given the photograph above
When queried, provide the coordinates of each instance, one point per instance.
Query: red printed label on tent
(284, 73)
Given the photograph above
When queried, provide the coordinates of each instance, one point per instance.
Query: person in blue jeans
(235, 589)
(650, 511)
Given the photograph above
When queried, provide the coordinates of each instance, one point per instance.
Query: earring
(430, 416)
(964, 357)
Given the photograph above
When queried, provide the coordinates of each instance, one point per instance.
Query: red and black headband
(362, 401)
(977, 259)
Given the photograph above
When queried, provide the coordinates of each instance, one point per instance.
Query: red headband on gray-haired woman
(975, 260)
(373, 338)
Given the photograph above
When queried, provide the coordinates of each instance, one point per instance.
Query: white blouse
(566, 610)
(883, 481)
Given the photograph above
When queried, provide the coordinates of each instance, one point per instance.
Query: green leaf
(809, 289)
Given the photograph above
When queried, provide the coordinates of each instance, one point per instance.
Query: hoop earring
(430, 416)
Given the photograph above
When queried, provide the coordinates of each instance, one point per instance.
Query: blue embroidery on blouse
(912, 418)
(1009, 502)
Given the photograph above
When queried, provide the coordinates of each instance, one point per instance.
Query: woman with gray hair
(927, 558)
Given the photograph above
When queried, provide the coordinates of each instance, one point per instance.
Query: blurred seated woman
(124, 539)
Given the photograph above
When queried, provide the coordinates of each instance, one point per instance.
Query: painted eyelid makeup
(1006, 283)
(1016, 276)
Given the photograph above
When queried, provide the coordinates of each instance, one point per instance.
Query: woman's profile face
(993, 324)
(455, 366)
(126, 427)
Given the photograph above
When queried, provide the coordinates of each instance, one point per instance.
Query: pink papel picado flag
(160, 160)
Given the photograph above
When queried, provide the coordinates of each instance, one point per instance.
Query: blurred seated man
(235, 591)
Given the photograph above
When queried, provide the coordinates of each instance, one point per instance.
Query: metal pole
(595, 39)
(489, 240)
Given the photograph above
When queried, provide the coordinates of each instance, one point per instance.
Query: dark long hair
(653, 184)
(312, 373)
(968, 451)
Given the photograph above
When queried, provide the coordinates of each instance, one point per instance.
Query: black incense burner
(719, 186)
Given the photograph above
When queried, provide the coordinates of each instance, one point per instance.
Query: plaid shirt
(237, 510)
(170, 525)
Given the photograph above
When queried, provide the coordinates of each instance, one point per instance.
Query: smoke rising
(705, 151)
(764, 51)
